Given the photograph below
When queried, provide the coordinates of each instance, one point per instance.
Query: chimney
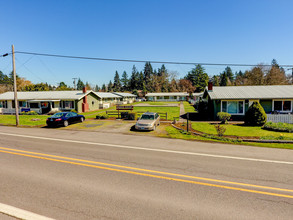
(210, 86)
(84, 89)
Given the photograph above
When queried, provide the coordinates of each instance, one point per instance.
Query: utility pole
(74, 83)
(15, 87)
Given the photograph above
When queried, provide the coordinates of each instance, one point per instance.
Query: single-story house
(107, 99)
(125, 98)
(43, 102)
(197, 96)
(167, 96)
(236, 99)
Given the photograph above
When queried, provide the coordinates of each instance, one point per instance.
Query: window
(34, 105)
(233, 107)
(22, 104)
(283, 106)
(68, 104)
(3, 104)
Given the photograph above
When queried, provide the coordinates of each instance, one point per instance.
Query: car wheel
(81, 119)
(65, 123)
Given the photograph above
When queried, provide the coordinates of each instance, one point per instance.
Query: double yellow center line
(152, 173)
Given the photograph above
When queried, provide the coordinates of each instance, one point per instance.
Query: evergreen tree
(104, 88)
(229, 74)
(97, 88)
(147, 74)
(133, 82)
(110, 87)
(215, 80)
(117, 83)
(125, 81)
(80, 84)
(141, 82)
(224, 79)
(198, 77)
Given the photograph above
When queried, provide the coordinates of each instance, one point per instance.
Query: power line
(144, 61)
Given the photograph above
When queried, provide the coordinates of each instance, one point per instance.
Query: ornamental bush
(29, 113)
(255, 115)
(223, 117)
(220, 130)
(279, 126)
(132, 116)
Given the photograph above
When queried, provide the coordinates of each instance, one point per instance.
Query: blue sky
(188, 31)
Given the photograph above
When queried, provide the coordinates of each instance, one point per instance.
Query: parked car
(64, 119)
(148, 121)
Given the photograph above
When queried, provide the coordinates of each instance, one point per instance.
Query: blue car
(64, 119)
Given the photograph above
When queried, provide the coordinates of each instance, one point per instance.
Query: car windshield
(147, 117)
(59, 114)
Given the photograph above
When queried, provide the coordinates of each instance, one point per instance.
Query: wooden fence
(285, 118)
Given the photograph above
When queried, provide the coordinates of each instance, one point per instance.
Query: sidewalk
(182, 112)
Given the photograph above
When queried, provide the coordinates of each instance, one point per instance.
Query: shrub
(73, 110)
(102, 116)
(29, 113)
(255, 115)
(132, 116)
(223, 117)
(124, 115)
(282, 127)
(220, 130)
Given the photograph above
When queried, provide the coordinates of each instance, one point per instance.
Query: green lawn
(93, 114)
(188, 107)
(24, 120)
(160, 103)
(174, 133)
(240, 130)
(171, 111)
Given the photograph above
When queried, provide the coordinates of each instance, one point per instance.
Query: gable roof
(168, 94)
(251, 92)
(124, 94)
(45, 95)
(106, 95)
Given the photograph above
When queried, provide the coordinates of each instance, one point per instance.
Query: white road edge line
(20, 213)
(150, 149)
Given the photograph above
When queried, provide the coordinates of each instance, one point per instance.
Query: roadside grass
(188, 107)
(241, 130)
(174, 133)
(24, 120)
(161, 103)
(171, 111)
(93, 114)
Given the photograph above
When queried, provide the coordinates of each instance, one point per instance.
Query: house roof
(251, 92)
(197, 94)
(124, 94)
(45, 95)
(168, 94)
(106, 95)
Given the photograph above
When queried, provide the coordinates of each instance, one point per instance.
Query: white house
(167, 96)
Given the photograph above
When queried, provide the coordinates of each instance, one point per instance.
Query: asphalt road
(65, 174)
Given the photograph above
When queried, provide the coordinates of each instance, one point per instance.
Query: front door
(46, 107)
